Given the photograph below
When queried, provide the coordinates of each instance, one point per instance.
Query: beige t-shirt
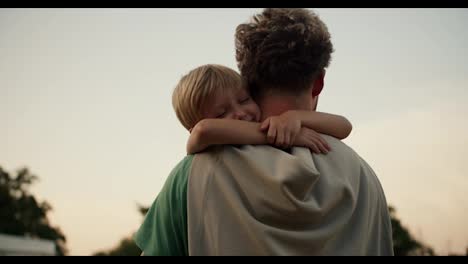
(259, 200)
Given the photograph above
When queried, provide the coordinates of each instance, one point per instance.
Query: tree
(21, 214)
(126, 246)
(403, 243)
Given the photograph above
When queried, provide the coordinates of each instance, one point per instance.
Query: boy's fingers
(322, 148)
(314, 148)
(325, 143)
(280, 138)
(271, 136)
(287, 140)
(265, 124)
(327, 146)
(292, 138)
(320, 143)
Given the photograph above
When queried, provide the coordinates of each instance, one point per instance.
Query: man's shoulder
(183, 164)
(226, 149)
(339, 147)
(268, 154)
(179, 174)
(341, 157)
(216, 159)
(163, 231)
(221, 152)
(334, 140)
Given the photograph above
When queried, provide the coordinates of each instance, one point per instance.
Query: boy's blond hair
(197, 87)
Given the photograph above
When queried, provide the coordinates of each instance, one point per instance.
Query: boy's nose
(240, 115)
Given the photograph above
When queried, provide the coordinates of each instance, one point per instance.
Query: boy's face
(233, 104)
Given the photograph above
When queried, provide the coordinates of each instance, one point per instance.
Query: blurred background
(88, 134)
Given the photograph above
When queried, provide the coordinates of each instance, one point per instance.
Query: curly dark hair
(282, 50)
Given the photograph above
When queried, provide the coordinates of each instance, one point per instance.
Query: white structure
(24, 246)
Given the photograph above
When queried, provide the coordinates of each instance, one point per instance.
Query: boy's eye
(221, 115)
(245, 100)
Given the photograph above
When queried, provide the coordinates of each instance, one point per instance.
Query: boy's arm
(209, 132)
(325, 123)
(285, 126)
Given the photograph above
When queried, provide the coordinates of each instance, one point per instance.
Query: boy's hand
(282, 129)
(312, 140)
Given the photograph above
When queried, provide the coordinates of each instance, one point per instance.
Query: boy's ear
(318, 84)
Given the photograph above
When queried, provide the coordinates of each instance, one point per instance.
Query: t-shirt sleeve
(164, 229)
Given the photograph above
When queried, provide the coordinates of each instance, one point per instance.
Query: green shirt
(164, 229)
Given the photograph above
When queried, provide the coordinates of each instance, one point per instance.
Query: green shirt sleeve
(164, 229)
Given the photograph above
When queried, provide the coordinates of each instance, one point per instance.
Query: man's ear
(318, 84)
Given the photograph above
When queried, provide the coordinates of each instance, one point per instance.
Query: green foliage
(127, 246)
(403, 243)
(21, 214)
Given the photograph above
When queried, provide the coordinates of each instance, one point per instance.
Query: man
(260, 200)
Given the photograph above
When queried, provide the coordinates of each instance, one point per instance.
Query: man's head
(212, 91)
(284, 53)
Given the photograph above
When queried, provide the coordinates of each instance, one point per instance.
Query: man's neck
(274, 105)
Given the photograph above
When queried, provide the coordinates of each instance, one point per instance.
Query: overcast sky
(85, 104)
